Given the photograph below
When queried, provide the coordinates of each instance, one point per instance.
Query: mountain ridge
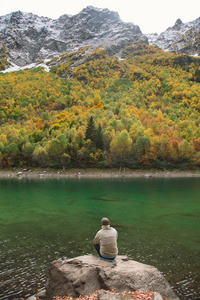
(28, 38)
(181, 38)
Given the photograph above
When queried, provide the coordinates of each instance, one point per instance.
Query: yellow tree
(120, 147)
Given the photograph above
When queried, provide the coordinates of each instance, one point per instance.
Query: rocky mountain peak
(102, 13)
(180, 38)
(64, 18)
(29, 38)
(16, 17)
(178, 24)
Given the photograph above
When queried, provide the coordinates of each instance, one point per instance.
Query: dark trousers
(97, 247)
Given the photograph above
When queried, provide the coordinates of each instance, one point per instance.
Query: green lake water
(158, 222)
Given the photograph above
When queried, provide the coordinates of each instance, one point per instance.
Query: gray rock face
(181, 38)
(85, 275)
(29, 38)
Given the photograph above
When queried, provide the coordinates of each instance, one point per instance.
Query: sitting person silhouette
(105, 241)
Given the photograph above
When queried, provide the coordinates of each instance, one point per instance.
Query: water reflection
(43, 221)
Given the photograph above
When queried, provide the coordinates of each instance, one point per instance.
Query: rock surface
(30, 39)
(84, 275)
(180, 38)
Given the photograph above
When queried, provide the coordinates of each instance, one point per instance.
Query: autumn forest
(141, 111)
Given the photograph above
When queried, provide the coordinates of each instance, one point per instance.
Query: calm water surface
(42, 220)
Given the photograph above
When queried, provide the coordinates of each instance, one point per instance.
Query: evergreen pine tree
(90, 130)
(99, 138)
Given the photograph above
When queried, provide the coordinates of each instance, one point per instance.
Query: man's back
(107, 238)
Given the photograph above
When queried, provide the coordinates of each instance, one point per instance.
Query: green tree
(27, 151)
(84, 154)
(90, 130)
(120, 147)
(56, 148)
(40, 156)
(1, 159)
(142, 145)
(186, 150)
(12, 150)
(99, 138)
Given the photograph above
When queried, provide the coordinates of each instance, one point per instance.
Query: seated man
(105, 241)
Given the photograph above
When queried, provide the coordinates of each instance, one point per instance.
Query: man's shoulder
(113, 229)
(98, 232)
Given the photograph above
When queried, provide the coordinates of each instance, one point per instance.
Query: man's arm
(96, 239)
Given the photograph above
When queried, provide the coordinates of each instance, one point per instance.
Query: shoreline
(95, 173)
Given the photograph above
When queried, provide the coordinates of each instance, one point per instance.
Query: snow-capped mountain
(181, 38)
(29, 38)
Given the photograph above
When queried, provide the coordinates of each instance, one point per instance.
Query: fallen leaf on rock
(133, 295)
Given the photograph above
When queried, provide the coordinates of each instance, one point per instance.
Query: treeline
(139, 111)
(3, 58)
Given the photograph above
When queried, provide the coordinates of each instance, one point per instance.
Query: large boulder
(84, 275)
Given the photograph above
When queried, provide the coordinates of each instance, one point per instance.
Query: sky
(150, 15)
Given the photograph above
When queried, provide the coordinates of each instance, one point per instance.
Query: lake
(157, 219)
